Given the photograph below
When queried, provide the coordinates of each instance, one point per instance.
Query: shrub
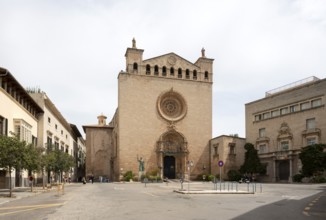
(154, 172)
(210, 177)
(200, 177)
(319, 179)
(234, 175)
(298, 178)
(128, 176)
(152, 176)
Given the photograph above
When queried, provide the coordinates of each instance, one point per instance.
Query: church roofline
(171, 53)
(97, 126)
(133, 49)
(204, 58)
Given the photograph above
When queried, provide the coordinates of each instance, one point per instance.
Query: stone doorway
(169, 167)
(284, 170)
(172, 154)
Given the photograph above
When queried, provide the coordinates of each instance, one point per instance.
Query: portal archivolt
(172, 152)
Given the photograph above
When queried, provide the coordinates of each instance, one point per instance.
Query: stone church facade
(164, 115)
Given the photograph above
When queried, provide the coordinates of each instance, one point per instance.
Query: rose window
(172, 106)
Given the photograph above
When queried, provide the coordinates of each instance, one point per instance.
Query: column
(274, 171)
(290, 176)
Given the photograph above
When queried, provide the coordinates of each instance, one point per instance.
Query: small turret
(101, 120)
(134, 58)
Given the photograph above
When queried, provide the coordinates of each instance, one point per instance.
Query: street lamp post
(189, 165)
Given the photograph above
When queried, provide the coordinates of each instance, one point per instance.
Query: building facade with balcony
(287, 119)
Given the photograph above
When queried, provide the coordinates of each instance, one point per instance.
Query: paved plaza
(161, 201)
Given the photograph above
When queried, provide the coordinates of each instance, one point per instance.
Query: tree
(32, 159)
(58, 161)
(252, 162)
(11, 154)
(313, 159)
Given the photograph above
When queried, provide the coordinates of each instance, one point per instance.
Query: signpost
(220, 164)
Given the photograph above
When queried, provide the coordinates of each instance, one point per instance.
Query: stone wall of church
(99, 152)
(141, 125)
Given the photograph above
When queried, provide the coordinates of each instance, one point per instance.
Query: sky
(73, 50)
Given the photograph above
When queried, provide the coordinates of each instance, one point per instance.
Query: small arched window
(187, 74)
(172, 71)
(195, 74)
(179, 73)
(148, 69)
(164, 71)
(135, 67)
(156, 70)
(206, 74)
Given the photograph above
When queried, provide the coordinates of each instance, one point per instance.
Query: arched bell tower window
(195, 74)
(179, 73)
(172, 71)
(187, 74)
(135, 67)
(156, 70)
(206, 75)
(148, 69)
(164, 71)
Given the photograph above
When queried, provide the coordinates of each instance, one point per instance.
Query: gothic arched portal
(172, 152)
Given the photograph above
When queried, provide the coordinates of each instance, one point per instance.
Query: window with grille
(284, 111)
(3, 126)
(310, 123)
(275, 113)
(263, 149)
(316, 103)
(305, 105)
(232, 148)
(262, 132)
(293, 108)
(266, 115)
(284, 145)
(311, 141)
(215, 148)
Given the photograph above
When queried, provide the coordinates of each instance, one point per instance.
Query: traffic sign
(220, 163)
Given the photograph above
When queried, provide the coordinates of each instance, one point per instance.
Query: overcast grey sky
(73, 50)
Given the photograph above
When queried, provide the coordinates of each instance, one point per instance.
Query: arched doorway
(172, 154)
(169, 167)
